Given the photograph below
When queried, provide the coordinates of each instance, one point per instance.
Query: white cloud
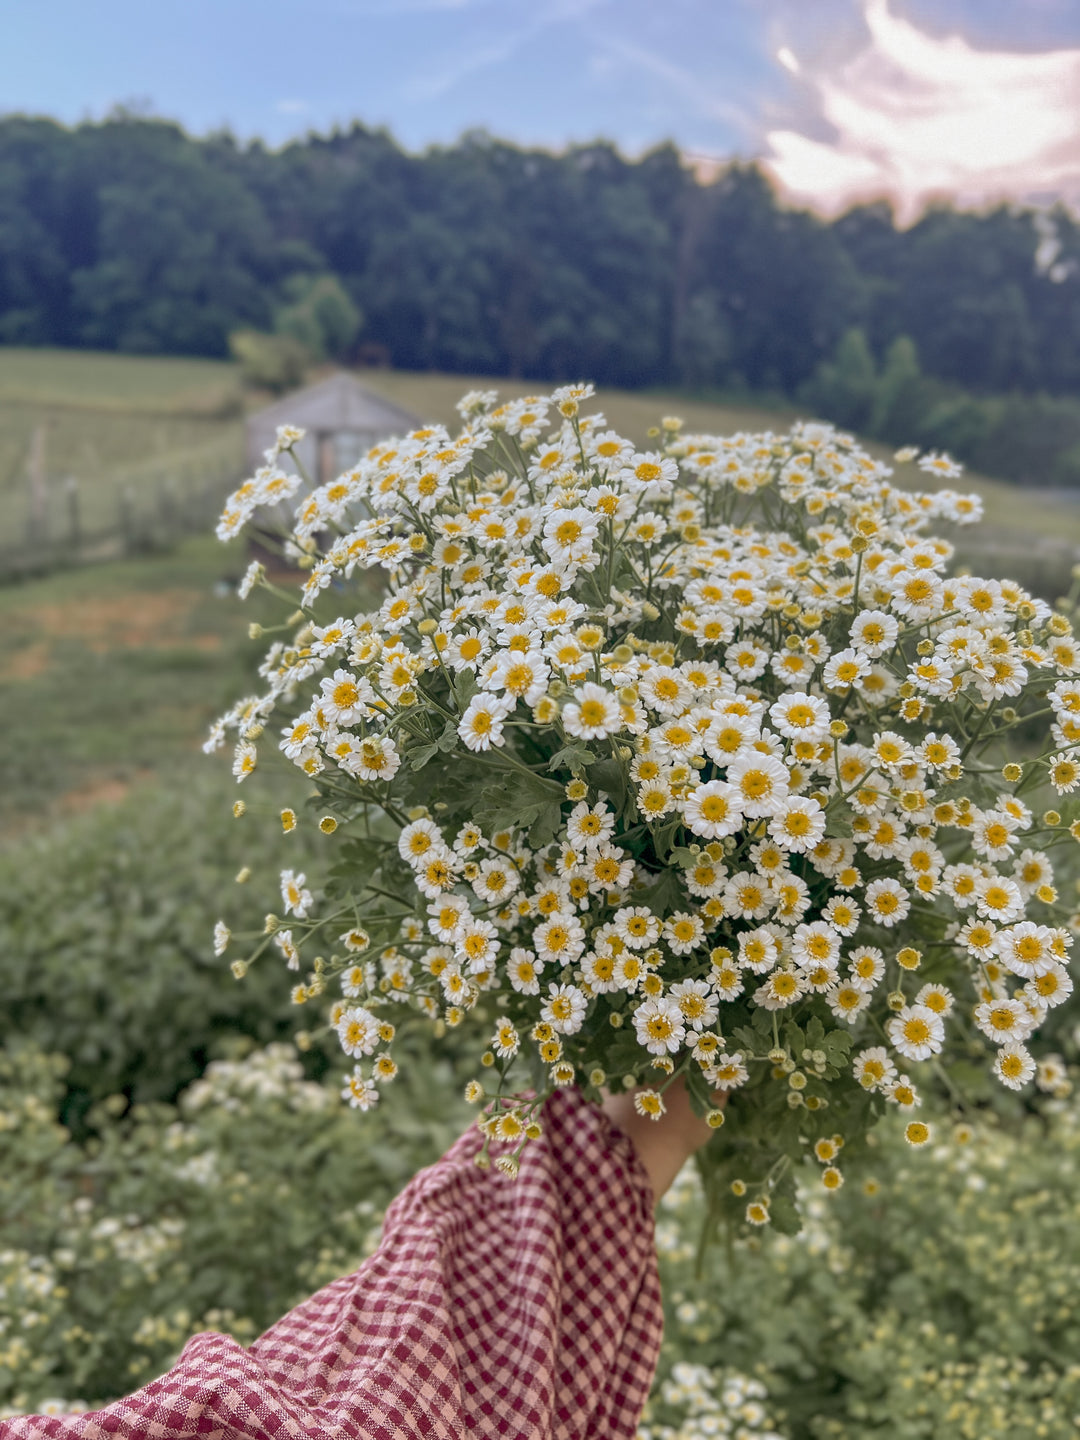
(788, 60)
(291, 107)
(915, 117)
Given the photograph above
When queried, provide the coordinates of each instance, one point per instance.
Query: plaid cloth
(493, 1307)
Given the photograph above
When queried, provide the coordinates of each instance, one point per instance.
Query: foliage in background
(270, 362)
(317, 322)
(103, 953)
(174, 1220)
(151, 647)
(321, 315)
(1032, 439)
(485, 258)
(933, 1298)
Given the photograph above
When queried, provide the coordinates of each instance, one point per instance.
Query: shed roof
(338, 403)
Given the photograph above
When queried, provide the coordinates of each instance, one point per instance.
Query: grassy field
(110, 674)
(101, 380)
(432, 397)
(132, 435)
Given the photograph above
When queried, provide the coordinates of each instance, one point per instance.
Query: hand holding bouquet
(692, 762)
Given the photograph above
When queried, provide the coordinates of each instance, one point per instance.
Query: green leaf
(663, 837)
(571, 757)
(421, 754)
(664, 896)
(783, 1211)
(784, 1215)
(546, 826)
(684, 857)
(517, 801)
(762, 1022)
(609, 777)
(837, 1046)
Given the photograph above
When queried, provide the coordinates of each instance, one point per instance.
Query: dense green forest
(482, 257)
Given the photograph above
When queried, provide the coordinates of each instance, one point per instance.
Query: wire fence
(134, 510)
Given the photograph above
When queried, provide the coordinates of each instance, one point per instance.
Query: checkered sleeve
(494, 1307)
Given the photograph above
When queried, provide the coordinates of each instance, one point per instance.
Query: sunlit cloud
(915, 117)
(788, 59)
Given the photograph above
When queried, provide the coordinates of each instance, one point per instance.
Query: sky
(840, 99)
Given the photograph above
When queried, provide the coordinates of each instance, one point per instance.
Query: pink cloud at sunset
(914, 116)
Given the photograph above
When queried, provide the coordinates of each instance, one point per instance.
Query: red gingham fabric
(525, 1308)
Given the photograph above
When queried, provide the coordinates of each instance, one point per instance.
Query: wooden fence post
(71, 489)
(37, 527)
(127, 527)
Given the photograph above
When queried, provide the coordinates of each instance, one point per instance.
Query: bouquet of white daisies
(693, 762)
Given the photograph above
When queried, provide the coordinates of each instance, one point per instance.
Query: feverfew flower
(714, 809)
(800, 716)
(624, 748)
(660, 1026)
(593, 714)
(358, 1030)
(917, 1032)
(359, 1092)
(481, 725)
(1014, 1066)
(294, 896)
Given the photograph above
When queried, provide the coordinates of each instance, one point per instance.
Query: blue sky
(719, 77)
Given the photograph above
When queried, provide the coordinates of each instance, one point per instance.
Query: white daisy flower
(760, 782)
(798, 824)
(1014, 1066)
(800, 716)
(564, 1009)
(358, 1030)
(294, 896)
(916, 1032)
(660, 1026)
(481, 726)
(524, 969)
(593, 714)
(887, 902)
(696, 1003)
(714, 809)
(873, 632)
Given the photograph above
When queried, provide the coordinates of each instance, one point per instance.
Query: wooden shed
(343, 419)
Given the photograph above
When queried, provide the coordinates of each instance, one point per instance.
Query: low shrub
(935, 1297)
(220, 1212)
(105, 951)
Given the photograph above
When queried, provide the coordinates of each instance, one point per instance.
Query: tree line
(483, 257)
